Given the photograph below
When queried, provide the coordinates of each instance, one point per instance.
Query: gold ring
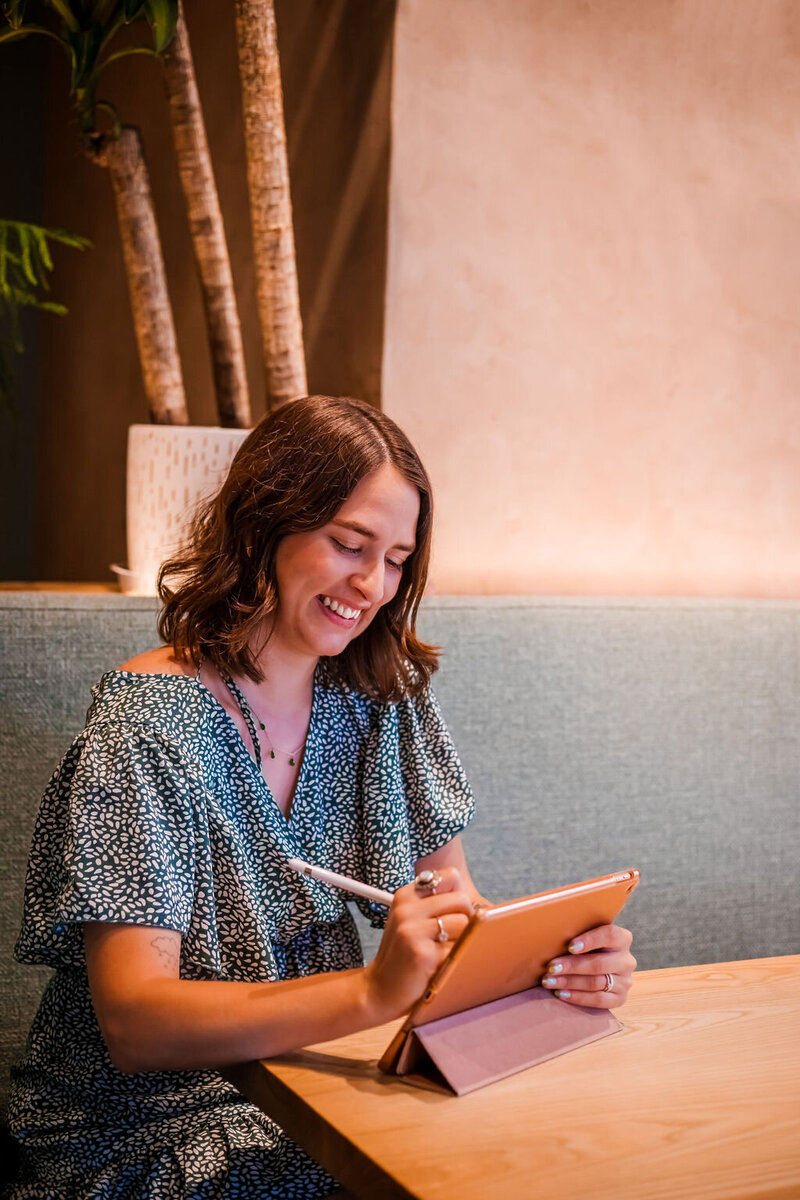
(442, 934)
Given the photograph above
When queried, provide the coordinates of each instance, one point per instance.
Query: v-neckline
(257, 762)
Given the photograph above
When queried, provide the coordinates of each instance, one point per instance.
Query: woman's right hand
(409, 951)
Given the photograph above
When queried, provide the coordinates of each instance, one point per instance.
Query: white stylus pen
(341, 881)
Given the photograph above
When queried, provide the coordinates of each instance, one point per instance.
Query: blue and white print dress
(158, 816)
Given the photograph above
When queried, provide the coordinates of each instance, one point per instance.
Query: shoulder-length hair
(292, 475)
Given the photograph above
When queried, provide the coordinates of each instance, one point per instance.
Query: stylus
(341, 881)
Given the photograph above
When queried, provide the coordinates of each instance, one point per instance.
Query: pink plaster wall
(592, 308)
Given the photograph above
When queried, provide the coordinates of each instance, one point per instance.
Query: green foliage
(25, 264)
(162, 17)
(14, 12)
(85, 29)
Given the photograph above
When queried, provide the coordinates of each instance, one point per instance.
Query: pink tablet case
(480, 1045)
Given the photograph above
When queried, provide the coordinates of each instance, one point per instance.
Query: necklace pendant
(291, 762)
(272, 753)
(262, 725)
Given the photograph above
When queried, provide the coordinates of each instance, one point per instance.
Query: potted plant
(165, 480)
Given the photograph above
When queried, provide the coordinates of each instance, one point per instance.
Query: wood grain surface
(697, 1098)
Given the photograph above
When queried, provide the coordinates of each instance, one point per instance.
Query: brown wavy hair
(291, 475)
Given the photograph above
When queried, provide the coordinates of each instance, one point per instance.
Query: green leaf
(25, 262)
(12, 35)
(43, 253)
(14, 12)
(19, 299)
(66, 239)
(105, 106)
(126, 54)
(22, 299)
(66, 10)
(162, 17)
(25, 240)
(100, 11)
(113, 22)
(85, 46)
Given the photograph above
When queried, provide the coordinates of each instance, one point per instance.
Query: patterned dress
(158, 816)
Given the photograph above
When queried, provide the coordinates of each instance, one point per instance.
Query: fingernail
(575, 947)
(555, 968)
(549, 981)
(563, 995)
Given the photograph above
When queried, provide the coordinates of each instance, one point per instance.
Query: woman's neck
(288, 679)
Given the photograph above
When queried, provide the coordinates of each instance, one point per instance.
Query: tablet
(505, 948)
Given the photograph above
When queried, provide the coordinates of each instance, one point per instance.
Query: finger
(432, 905)
(620, 961)
(448, 928)
(604, 937)
(446, 880)
(449, 902)
(589, 999)
(620, 984)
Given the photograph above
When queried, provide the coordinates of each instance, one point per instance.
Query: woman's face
(332, 581)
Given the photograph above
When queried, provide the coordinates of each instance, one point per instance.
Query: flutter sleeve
(116, 840)
(416, 794)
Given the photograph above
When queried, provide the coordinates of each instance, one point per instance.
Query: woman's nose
(369, 581)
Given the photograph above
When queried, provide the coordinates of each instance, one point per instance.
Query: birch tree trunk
(147, 281)
(208, 233)
(270, 201)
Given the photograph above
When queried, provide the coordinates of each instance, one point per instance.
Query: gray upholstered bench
(598, 734)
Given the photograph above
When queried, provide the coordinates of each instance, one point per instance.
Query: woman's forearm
(177, 1024)
(152, 1020)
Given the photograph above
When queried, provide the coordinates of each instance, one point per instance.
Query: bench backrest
(598, 734)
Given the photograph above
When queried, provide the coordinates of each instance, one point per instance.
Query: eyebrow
(367, 533)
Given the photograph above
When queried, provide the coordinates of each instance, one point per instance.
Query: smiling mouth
(342, 611)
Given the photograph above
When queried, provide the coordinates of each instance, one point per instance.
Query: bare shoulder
(160, 661)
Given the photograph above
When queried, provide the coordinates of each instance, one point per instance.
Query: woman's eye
(343, 548)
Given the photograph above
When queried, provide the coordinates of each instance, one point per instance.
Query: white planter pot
(170, 469)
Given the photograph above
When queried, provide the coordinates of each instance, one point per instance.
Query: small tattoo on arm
(164, 946)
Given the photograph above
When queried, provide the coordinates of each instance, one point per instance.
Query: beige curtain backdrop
(592, 307)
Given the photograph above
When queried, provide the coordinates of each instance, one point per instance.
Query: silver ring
(428, 881)
(609, 983)
(442, 934)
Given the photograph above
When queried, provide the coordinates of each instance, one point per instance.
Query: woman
(288, 714)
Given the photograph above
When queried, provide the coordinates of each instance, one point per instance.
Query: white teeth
(341, 609)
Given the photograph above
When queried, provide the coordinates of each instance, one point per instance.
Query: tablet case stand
(480, 1045)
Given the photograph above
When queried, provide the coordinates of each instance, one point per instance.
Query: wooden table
(698, 1098)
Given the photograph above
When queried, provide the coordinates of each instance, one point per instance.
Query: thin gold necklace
(290, 754)
(248, 709)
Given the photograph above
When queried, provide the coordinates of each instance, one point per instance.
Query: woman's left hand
(598, 970)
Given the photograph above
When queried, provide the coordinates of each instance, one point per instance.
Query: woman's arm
(152, 1020)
